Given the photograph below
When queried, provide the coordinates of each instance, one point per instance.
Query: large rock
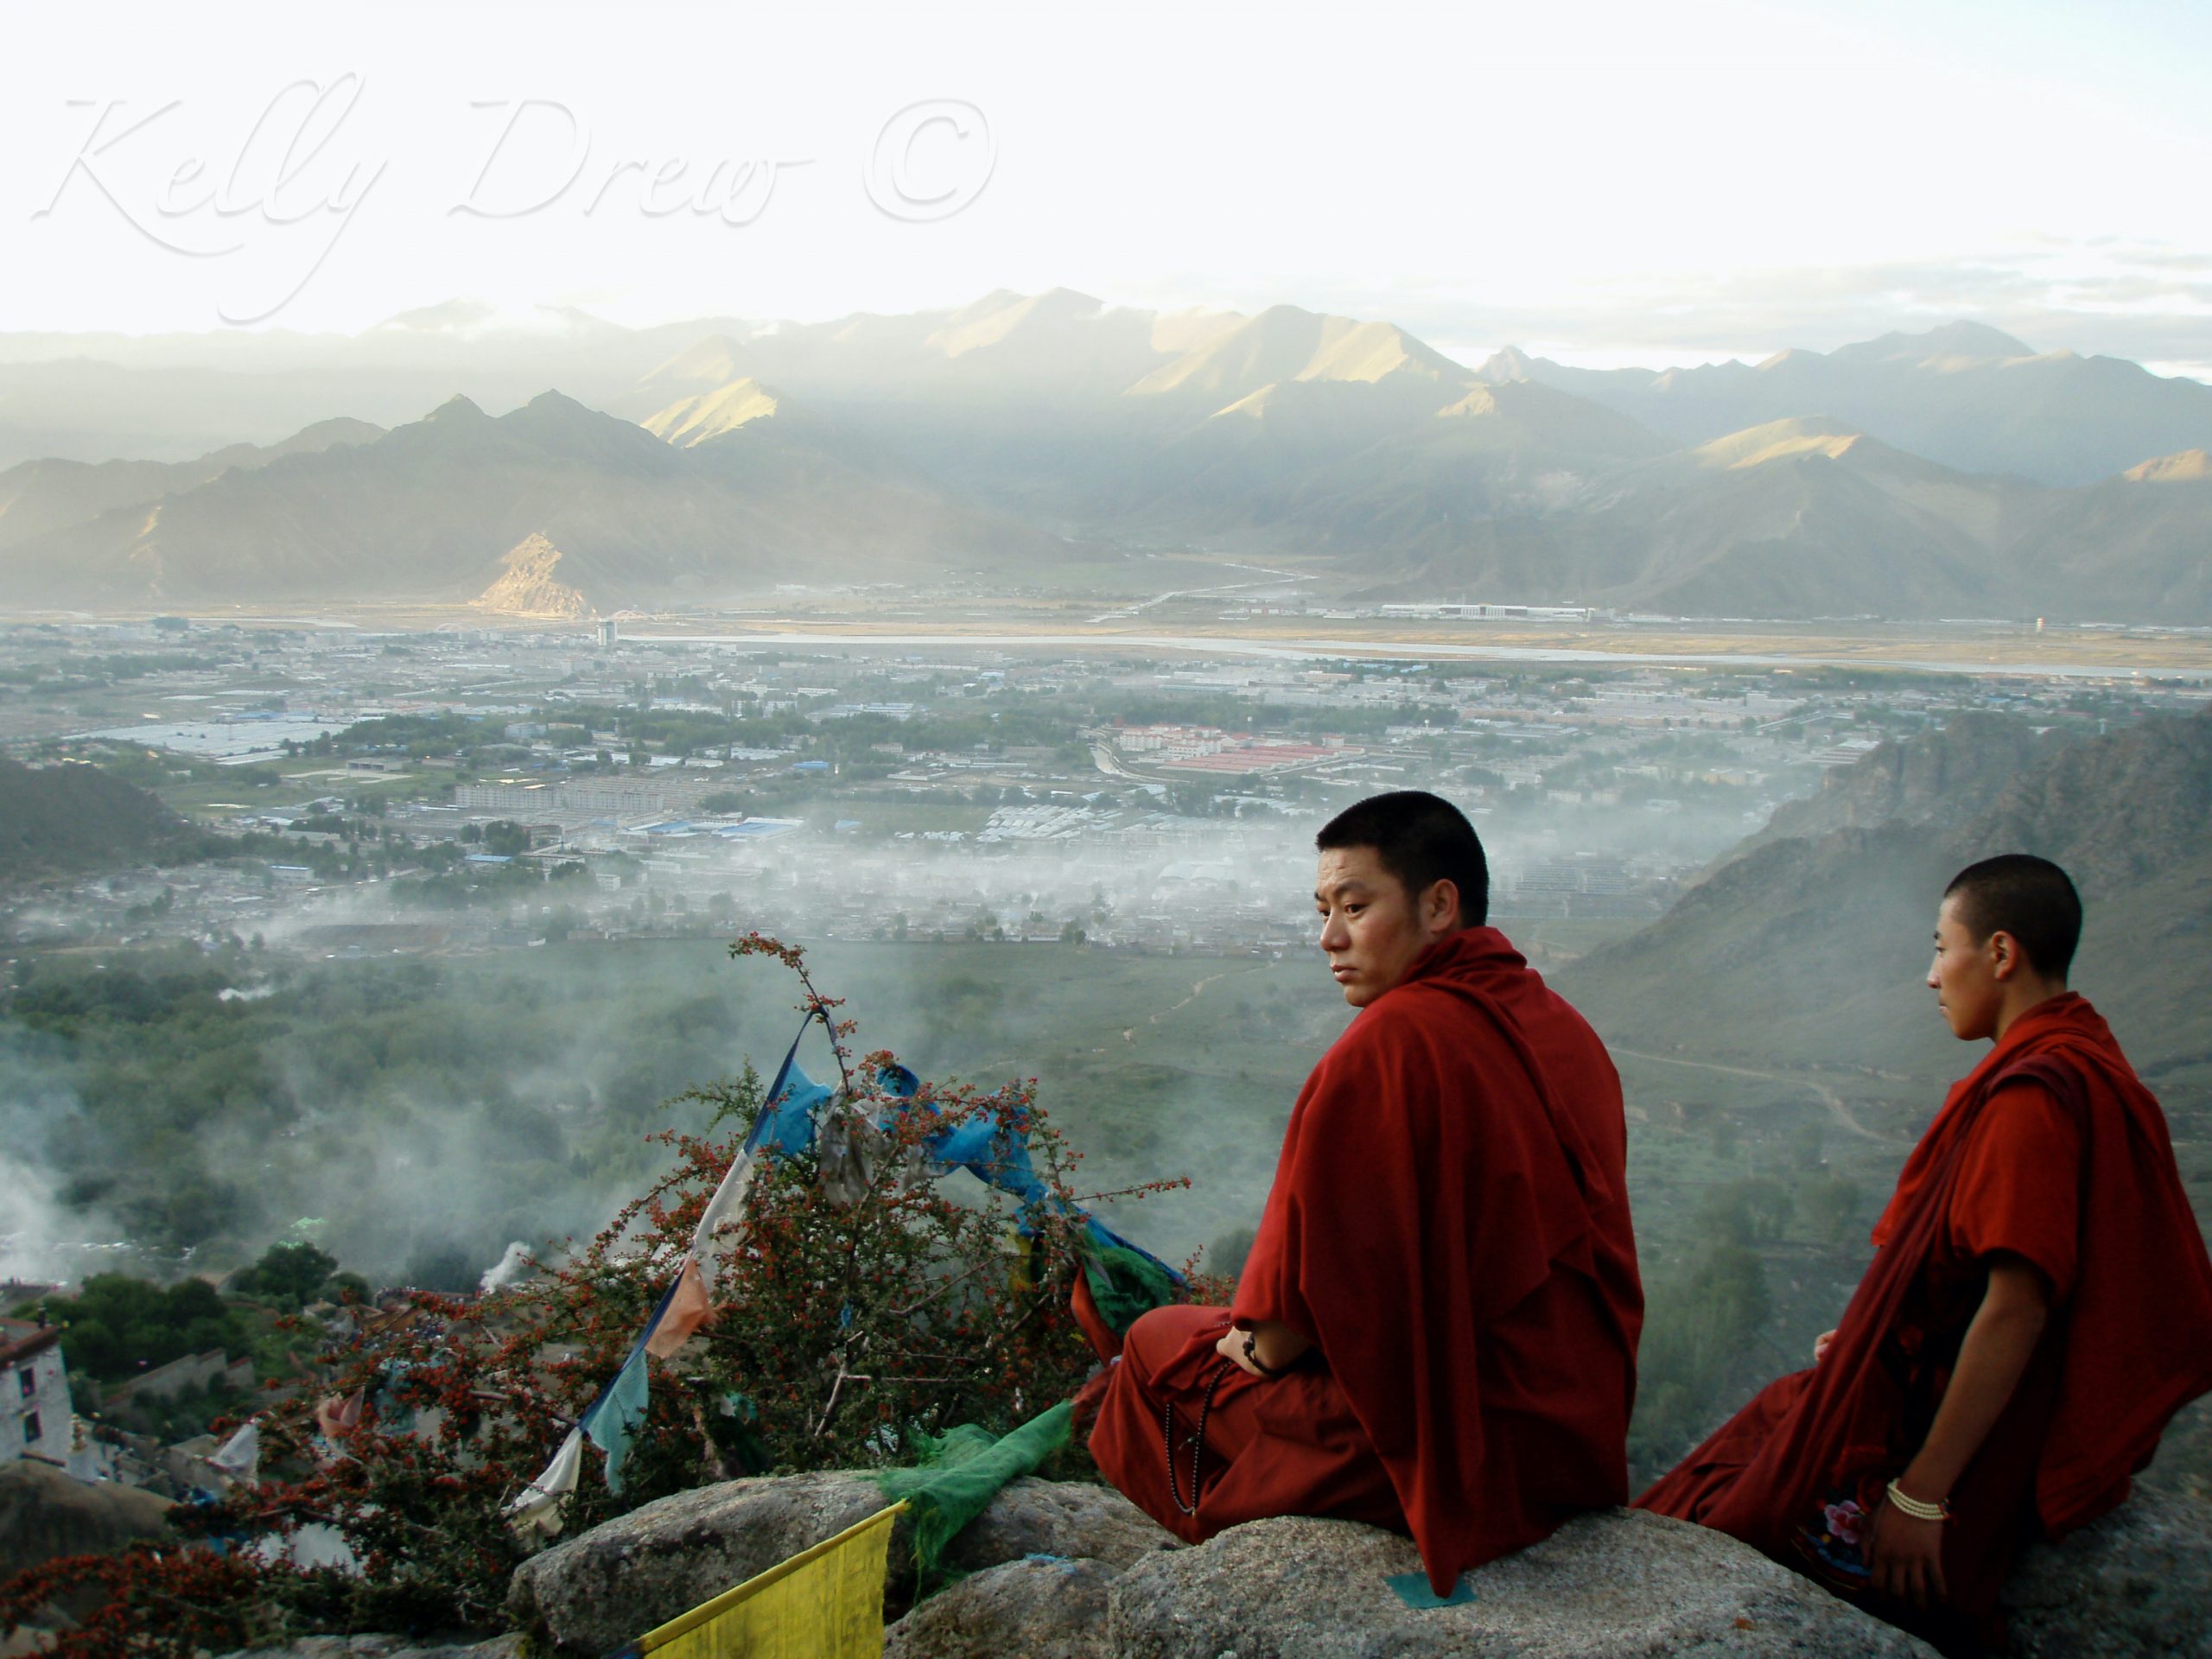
(46, 1513)
(1059, 1517)
(388, 1647)
(594, 1592)
(1068, 1571)
(2140, 1581)
(1039, 1608)
(1620, 1582)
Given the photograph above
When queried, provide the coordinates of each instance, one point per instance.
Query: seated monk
(1435, 1331)
(2040, 1304)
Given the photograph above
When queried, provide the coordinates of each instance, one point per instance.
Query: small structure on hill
(34, 1408)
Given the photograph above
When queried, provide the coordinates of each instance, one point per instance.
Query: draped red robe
(2050, 1150)
(1449, 1225)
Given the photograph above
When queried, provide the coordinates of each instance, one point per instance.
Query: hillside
(38, 496)
(1808, 947)
(55, 820)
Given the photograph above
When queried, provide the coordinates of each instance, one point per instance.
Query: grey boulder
(1616, 1583)
(2137, 1582)
(1041, 1608)
(592, 1594)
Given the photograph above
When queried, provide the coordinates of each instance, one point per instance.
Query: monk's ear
(2005, 958)
(1439, 906)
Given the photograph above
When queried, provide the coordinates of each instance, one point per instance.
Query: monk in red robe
(2039, 1306)
(1435, 1331)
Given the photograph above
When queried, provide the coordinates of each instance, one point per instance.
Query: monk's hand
(1820, 1346)
(1231, 1348)
(1906, 1559)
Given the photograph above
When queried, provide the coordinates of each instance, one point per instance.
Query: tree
(289, 1275)
(118, 1327)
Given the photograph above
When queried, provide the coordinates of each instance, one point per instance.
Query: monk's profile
(2040, 1305)
(1435, 1331)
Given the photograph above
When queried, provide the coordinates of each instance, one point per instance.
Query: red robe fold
(2052, 1150)
(1449, 1224)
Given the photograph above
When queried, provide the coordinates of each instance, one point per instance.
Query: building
(608, 633)
(35, 1410)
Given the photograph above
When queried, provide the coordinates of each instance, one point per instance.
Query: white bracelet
(1916, 1508)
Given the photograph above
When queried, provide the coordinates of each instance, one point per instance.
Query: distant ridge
(1946, 473)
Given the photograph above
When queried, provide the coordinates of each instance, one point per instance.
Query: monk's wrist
(1928, 1485)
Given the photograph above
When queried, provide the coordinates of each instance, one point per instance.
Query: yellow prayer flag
(823, 1603)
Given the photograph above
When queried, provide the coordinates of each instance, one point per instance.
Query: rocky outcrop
(388, 1647)
(592, 1594)
(1617, 1583)
(1067, 1571)
(2137, 1582)
(526, 586)
(46, 1513)
(1042, 1607)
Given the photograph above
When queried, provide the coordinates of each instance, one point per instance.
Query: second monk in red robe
(2040, 1304)
(1436, 1329)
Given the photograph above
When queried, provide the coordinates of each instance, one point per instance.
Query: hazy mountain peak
(445, 317)
(1954, 339)
(1289, 343)
(694, 420)
(1786, 440)
(1001, 315)
(554, 398)
(2188, 467)
(1507, 363)
(457, 410)
(714, 361)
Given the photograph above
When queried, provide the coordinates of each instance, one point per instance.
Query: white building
(33, 1393)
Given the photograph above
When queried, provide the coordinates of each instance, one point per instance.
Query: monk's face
(1371, 927)
(1965, 976)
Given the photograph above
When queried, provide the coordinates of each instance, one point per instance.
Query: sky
(1647, 182)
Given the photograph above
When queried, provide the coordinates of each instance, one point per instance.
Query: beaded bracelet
(1918, 1508)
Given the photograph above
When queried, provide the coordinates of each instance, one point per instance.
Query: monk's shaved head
(2028, 897)
(1421, 839)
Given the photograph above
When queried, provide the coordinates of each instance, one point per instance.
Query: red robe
(1449, 1225)
(2050, 1150)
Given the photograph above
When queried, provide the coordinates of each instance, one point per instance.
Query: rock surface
(1059, 1517)
(1620, 1583)
(592, 1594)
(387, 1647)
(1064, 1571)
(2140, 1581)
(45, 1513)
(1041, 1608)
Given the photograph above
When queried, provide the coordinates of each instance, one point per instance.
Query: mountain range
(1953, 473)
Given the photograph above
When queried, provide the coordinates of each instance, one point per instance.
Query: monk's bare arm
(1277, 1343)
(1992, 1358)
(1996, 1349)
